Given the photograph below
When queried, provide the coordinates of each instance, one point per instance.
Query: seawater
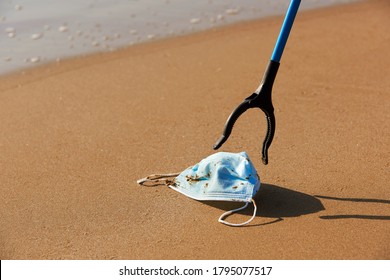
(33, 32)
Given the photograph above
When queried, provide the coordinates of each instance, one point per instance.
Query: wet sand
(76, 135)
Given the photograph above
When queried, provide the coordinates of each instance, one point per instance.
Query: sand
(76, 135)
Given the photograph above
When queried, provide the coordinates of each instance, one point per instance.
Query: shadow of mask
(277, 202)
(355, 216)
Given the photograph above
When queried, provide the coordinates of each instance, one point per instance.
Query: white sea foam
(36, 36)
(195, 20)
(9, 29)
(232, 11)
(18, 7)
(34, 59)
(63, 28)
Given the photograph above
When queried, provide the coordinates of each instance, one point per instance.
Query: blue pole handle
(285, 30)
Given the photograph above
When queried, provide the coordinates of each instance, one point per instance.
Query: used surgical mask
(219, 177)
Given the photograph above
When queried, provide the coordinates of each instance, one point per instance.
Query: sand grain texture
(76, 135)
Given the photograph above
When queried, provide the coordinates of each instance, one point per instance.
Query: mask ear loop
(221, 218)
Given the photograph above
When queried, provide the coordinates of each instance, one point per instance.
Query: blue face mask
(219, 177)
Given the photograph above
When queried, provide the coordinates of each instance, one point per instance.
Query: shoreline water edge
(38, 32)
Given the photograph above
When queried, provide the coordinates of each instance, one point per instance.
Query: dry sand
(76, 135)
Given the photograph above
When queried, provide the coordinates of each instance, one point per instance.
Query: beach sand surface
(76, 135)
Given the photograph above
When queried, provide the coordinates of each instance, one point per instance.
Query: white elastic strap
(156, 178)
(221, 219)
